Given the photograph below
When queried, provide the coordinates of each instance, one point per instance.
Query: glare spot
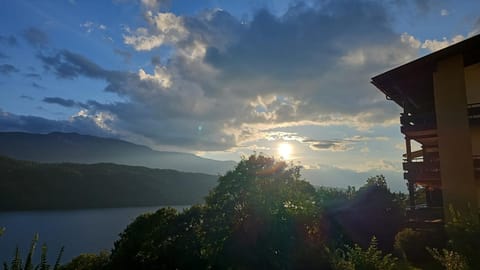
(284, 150)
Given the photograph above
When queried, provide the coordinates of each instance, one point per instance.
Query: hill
(76, 148)
(26, 185)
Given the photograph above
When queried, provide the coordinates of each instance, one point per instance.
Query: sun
(284, 150)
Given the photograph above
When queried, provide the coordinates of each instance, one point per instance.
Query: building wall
(459, 186)
(472, 83)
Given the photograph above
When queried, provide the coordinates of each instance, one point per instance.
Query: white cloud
(90, 26)
(430, 44)
(160, 77)
(410, 40)
(435, 45)
(444, 12)
(168, 29)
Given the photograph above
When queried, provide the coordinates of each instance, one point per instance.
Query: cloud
(38, 86)
(430, 44)
(8, 40)
(27, 97)
(127, 56)
(444, 12)
(155, 4)
(60, 101)
(7, 69)
(330, 145)
(35, 37)
(26, 123)
(90, 26)
(33, 76)
(238, 79)
(339, 145)
(168, 29)
(435, 45)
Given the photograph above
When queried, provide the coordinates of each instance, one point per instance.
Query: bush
(410, 245)
(88, 262)
(449, 259)
(18, 264)
(464, 237)
(356, 258)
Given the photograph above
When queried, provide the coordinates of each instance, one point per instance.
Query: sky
(224, 79)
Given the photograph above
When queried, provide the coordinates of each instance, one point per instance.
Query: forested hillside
(28, 185)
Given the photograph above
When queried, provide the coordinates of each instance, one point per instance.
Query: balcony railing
(429, 172)
(427, 120)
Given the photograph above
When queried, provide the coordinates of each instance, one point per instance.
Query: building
(440, 97)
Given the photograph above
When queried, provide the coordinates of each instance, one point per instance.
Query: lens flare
(284, 150)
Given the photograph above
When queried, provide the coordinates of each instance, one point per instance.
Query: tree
(88, 262)
(373, 211)
(263, 215)
(260, 215)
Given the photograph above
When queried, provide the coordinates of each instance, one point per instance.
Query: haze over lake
(80, 231)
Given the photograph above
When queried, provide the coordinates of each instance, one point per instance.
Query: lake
(80, 231)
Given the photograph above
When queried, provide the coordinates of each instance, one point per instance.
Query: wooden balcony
(412, 123)
(428, 173)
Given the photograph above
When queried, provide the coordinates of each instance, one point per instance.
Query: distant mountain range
(26, 185)
(72, 147)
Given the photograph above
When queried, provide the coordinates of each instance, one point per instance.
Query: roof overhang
(412, 83)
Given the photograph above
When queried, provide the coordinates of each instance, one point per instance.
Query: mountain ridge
(58, 147)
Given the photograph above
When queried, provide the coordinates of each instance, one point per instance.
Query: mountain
(26, 185)
(72, 147)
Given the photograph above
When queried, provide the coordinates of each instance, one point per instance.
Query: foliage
(330, 197)
(449, 259)
(162, 240)
(271, 218)
(356, 258)
(372, 211)
(261, 215)
(464, 242)
(88, 262)
(410, 243)
(17, 262)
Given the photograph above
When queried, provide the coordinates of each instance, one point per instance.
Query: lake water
(79, 231)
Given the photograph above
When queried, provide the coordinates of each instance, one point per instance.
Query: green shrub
(464, 236)
(449, 259)
(356, 258)
(88, 262)
(17, 262)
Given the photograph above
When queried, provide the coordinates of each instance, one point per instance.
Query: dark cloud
(27, 97)
(334, 145)
(35, 37)
(38, 86)
(303, 43)
(68, 65)
(7, 69)
(60, 101)
(156, 60)
(34, 124)
(127, 56)
(8, 40)
(33, 76)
